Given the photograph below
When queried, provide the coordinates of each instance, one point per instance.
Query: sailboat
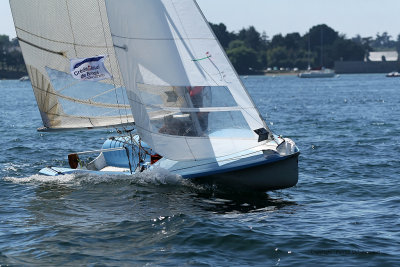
(319, 73)
(154, 71)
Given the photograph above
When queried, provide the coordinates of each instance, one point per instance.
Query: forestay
(51, 34)
(187, 100)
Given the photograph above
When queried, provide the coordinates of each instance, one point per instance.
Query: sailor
(197, 96)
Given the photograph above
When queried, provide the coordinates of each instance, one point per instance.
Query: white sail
(187, 100)
(51, 34)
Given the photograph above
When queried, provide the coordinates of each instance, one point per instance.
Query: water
(344, 210)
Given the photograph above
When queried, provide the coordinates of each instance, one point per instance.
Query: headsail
(187, 100)
(51, 34)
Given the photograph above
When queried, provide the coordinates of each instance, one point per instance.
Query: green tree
(278, 40)
(293, 41)
(398, 46)
(252, 38)
(244, 59)
(4, 46)
(343, 49)
(224, 37)
(281, 56)
(383, 42)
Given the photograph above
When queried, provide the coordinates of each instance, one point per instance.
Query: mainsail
(187, 100)
(51, 34)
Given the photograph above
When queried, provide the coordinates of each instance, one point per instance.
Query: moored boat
(393, 74)
(324, 73)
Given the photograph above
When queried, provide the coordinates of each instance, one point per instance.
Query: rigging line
(90, 121)
(67, 86)
(64, 54)
(105, 92)
(129, 161)
(109, 58)
(211, 77)
(132, 144)
(216, 67)
(72, 30)
(107, 118)
(80, 101)
(122, 83)
(190, 149)
(56, 41)
(220, 73)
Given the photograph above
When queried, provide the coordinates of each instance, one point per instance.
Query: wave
(153, 177)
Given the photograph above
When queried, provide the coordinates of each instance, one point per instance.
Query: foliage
(10, 55)
(320, 47)
(251, 52)
(244, 59)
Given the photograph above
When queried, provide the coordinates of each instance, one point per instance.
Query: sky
(349, 17)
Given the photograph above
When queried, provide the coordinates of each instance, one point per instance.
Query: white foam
(41, 179)
(156, 176)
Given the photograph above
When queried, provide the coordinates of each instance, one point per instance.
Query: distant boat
(393, 74)
(24, 79)
(324, 73)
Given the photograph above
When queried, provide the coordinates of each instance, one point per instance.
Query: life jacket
(195, 90)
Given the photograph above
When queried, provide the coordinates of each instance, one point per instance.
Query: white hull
(265, 176)
(259, 169)
(317, 74)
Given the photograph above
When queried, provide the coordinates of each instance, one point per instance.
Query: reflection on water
(221, 202)
(113, 200)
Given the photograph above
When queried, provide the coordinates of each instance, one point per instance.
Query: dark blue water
(344, 210)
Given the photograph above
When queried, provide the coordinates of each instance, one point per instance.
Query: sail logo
(89, 69)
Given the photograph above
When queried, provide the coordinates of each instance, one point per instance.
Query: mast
(309, 51)
(322, 47)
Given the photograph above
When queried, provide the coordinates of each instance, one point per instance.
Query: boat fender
(73, 160)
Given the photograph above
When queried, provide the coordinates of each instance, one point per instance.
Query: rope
(109, 59)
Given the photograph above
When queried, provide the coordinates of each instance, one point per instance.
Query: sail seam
(87, 102)
(72, 29)
(88, 117)
(221, 160)
(206, 109)
(41, 48)
(201, 137)
(160, 39)
(56, 41)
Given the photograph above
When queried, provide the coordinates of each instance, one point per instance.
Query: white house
(383, 56)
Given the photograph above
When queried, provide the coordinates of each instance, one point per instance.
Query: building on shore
(375, 62)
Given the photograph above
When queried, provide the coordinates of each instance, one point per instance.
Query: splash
(41, 179)
(156, 176)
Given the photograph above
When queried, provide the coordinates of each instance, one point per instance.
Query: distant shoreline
(11, 75)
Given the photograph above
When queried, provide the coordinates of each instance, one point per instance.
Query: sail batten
(54, 33)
